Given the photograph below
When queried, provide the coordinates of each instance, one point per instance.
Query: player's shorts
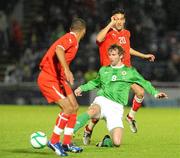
(52, 89)
(111, 111)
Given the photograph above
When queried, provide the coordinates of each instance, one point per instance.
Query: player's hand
(113, 20)
(69, 76)
(78, 91)
(150, 57)
(161, 95)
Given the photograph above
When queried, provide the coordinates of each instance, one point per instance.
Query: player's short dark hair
(118, 47)
(78, 24)
(119, 11)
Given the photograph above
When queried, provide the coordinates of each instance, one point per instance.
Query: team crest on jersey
(123, 73)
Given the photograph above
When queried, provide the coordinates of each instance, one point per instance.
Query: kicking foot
(57, 148)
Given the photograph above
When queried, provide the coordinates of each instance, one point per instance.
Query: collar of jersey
(116, 29)
(117, 67)
(73, 33)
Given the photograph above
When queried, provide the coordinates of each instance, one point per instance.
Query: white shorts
(111, 111)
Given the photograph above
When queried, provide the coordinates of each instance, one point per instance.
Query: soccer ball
(38, 140)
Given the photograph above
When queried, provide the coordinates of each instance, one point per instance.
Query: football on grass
(38, 140)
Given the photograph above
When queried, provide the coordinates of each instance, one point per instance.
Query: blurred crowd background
(29, 27)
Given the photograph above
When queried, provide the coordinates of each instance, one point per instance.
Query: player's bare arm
(102, 34)
(149, 57)
(61, 57)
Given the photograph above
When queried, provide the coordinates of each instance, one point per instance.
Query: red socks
(61, 122)
(136, 103)
(68, 131)
(64, 122)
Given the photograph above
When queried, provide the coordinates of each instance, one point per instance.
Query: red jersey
(50, 62)
(121, 38)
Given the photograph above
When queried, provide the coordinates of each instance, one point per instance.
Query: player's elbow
(99, 39)
(140, 93)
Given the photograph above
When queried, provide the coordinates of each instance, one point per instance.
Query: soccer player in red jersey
(115, 33)
(55, 80)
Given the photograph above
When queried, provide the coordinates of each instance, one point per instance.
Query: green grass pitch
(158, 135)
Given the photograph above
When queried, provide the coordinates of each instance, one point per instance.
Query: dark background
(29, 27)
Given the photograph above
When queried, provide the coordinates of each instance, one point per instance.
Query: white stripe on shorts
(61, 95)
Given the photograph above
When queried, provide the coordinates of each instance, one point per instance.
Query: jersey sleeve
(92, 84)
(65, 42)
(98, 43)
(144, 83)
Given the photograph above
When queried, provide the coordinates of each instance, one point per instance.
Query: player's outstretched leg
(137, 102)
(57, 148)
(88, 131)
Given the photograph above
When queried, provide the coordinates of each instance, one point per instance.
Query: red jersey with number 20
(114, 36)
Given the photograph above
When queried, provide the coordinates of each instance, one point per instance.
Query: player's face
(114, 57)
(120, 21)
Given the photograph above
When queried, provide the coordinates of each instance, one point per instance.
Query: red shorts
(53, 89)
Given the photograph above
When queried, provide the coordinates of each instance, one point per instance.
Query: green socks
(81, 121)
(107, 143)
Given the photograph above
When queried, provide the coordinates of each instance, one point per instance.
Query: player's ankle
(129, 117)
(88, 129)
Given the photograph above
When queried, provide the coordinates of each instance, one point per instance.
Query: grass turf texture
(158, 135)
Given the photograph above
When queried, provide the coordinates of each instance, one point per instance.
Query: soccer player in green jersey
(114, 83)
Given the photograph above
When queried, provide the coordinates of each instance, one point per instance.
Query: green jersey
(114, 83)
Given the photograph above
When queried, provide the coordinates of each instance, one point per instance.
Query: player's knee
(140, 93)
(117, 143)
(76, 107)
(92, 111)
(69, 109)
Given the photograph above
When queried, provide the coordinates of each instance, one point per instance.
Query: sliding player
(114, 83)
